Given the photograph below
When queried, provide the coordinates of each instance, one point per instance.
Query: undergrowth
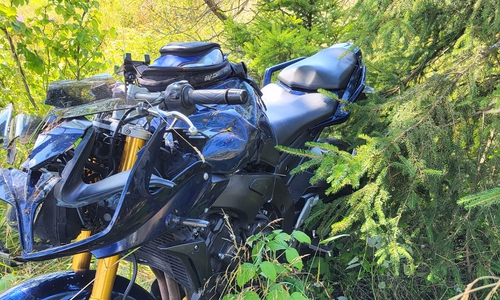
(269, 267)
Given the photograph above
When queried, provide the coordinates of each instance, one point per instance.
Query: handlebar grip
(227, 96)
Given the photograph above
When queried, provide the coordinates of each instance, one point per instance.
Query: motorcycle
(171, 169)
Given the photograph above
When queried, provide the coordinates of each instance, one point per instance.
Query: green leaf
(252, 238)
(277, 245)
(281, 269)
(277, 292)
(320, 264)
(6, 281)
(250, 295)
(333, 238)
(7, 11)
(19, 27)
(282, 236)
(301, 237)
(245, 273)
(293, 257)
(297, 296)
(257, 249)
(353, 266)
(19, 2)
(34, 62)
(60, 11)
(267, 268)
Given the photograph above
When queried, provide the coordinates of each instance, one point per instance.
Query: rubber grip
(217, 96)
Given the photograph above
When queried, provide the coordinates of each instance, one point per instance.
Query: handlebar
(148, 96)
(182, 91)
(182, 97)
(227, 96)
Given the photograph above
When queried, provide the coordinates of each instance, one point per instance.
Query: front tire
(68, 285)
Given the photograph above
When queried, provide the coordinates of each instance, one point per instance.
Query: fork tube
(107, 267)
(132, 146)
(81, 261)
(105, 278)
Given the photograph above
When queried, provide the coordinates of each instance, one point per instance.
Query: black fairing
(56, 224)
(140, 213)
(247, 193)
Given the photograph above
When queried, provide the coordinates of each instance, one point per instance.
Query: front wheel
(68, 285)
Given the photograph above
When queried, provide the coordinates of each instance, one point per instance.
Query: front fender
(67, 285)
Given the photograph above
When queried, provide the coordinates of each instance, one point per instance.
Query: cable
(113, 138)
(132, 279)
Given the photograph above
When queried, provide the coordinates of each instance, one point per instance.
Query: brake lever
(155, 111)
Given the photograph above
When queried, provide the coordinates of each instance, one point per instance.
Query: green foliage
(283, 30)
(42, 42)
(7, 281)
(426, 139)
(273, 271)
(481, 199)
(58, 40)
(276, 42)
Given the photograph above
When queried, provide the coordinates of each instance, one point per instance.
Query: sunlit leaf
(250, 295)
(245, 273)
(293, 257)
(268, 270)
(297, 296)
(301, 237)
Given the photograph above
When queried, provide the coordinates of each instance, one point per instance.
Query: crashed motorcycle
(172, 169)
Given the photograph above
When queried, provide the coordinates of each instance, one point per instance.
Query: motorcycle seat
(328, 69)
(290, 113)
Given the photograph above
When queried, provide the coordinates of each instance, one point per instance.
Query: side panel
(247, 193)
(52, 143)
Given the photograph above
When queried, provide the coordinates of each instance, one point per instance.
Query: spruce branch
(484, 198)
(305, 166)
(299, 152)
(484, 53)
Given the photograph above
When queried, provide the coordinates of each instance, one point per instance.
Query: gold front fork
(81, 261)
(107, 267)
(105, 278)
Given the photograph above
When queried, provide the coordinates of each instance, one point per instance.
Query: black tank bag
(200, 63)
